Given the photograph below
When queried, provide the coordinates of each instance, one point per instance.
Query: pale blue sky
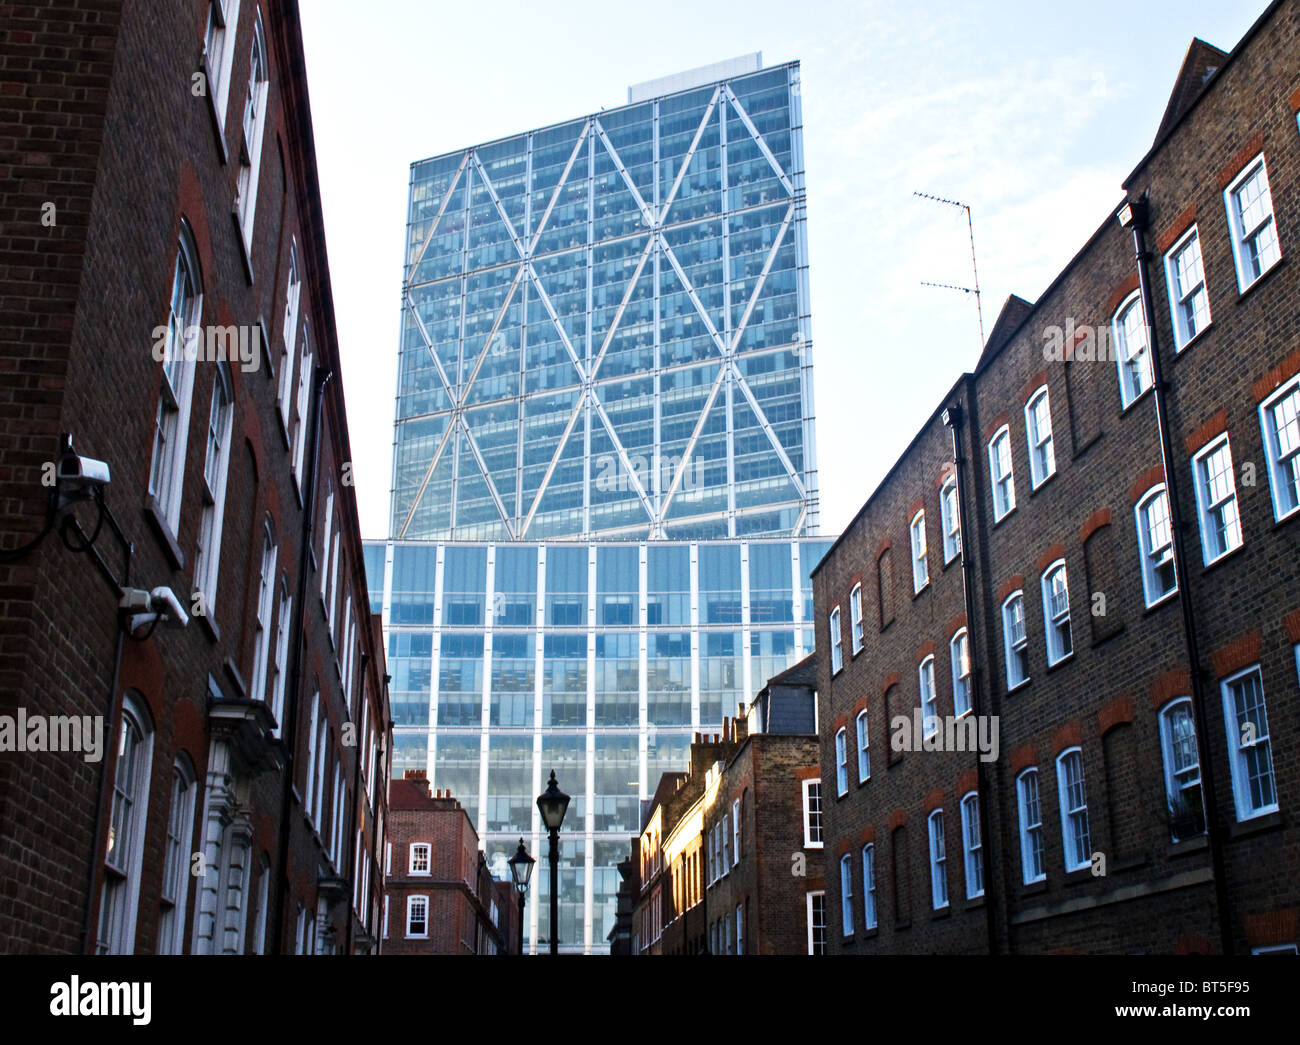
(1033, 113)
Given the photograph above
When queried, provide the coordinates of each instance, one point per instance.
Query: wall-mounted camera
(152, 607)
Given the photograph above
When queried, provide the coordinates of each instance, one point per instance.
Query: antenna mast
(979, 308)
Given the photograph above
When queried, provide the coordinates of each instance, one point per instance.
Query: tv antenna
(974, 268)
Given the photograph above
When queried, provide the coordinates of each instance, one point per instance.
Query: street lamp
(521, 870)
(553, 804)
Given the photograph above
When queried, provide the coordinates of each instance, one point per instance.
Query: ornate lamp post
(553, 804)
(521, 870)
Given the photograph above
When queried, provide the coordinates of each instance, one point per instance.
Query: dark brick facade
(113, 155)
(1232, 886)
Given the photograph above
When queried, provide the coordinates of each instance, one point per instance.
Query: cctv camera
(164, 601)
(82, 471)
(148, 607)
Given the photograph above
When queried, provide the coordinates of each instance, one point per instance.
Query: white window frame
(929, 697)
(120, 895)
(1185, 302)
(855, 618)
(813, 927)
(1284, 490)
(324, 564)
(1012, 646)
(420, 851)
(298, 431)
(253, 137)
(1153, 557)
(1191, 773)
(808, 823)
(1042, 448)
(1075, 860)
(216, 466)
(1133, 362)
(1004, 482)
(959, 659)
(1057, 632)
(280, 666)
(289, 336)
(841, 762)
(176, 387)
(869, 886)
(1246, 808)
(950, 519)
(1207, 509)
(846, 894)
(862, 725)
(972, 845)
(223, 23)
(1033, 865)
(310, 782)
(740, 928)
(920, 565)
(837, 641)
(175, 892)
(938, 860)
(412, 902)
(265, 608)
(735, 831)
(1239, 235)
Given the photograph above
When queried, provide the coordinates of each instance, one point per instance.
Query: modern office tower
(604, 506)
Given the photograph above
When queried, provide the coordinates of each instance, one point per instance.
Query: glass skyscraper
(604, 505)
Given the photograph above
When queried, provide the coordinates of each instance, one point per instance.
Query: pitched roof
(1201, 62)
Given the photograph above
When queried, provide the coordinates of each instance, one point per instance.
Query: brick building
(1084, 568)
(440, 896)
(730, 855)
(165, 302)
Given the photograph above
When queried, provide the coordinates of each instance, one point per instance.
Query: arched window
(1132, 354)
(1000, 471)
(1015, 640)
(864, 752)
(216, 465)
(1074, 809)
(1156, 541)
(1038, 429)
(938, 861)
(176, 346)
(176, 858)
(959, 655)
(265, 608)
(254, 124)
(128, 818)
(1056, 612)
(972, 845)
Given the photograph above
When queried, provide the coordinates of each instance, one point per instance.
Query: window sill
(235, 677)
(1181, 350)
(1196, 844)
(245, 251)
(1042, 482)
(1053, 665)
(973, 903)
(1222, 558)
(1000, 519)
(943, 912)
(1270, 821)
(210, 627)
(1125, 408)
(1019, 686)
(1164, 599)
(218, 124)
(1290, 516)
(1243, 291)
(1079, 451)
(163, 531)
(1106, 636)
(954, 561)
(1080, 875)
(918, 592)
(1130, 863)
(1034, 888)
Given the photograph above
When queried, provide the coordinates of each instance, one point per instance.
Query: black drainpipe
(954, 417)
(288, 734)
(1135, 215)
